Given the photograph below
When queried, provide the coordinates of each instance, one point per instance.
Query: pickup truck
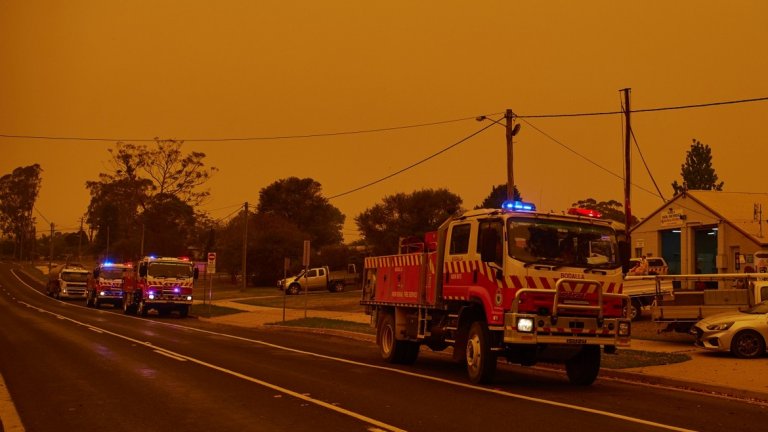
(642, 287)
(642, 291)
(682, 308)
(320, 278)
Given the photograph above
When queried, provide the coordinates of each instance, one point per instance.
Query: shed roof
(746, 211)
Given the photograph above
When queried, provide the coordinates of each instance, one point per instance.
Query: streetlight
(512, 130)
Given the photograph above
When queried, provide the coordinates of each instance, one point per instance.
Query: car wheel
(747, 344)
(293, 289)
(635, 310)
(337, 287)
(582, 369)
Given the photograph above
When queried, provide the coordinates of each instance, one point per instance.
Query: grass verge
(326, 323)
(209, 311)
(627, 358)
(337, 302)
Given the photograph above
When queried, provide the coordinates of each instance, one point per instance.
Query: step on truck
(512, 283)
(163, 284)
(67, 281)
(106, 285)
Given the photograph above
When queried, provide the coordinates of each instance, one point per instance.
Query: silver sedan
(744, 333)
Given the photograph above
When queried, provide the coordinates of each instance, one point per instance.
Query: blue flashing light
(518, 206)
(108, 264)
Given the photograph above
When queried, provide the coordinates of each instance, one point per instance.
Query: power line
(411, 165)
(384, 129)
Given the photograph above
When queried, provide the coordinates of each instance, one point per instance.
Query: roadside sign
(211, 268)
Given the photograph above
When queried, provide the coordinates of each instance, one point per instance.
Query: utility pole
(245, 243)
(80, 242)
(627, 164)
(512, 130)
(50, 253)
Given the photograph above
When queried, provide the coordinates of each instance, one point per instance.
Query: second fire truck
(161, 283)
(512, 283)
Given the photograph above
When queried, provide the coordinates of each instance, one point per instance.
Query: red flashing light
(585, 212)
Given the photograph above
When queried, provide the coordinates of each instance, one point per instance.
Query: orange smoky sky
(195, 71)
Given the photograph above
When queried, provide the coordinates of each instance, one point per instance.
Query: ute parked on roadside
(320, 278)
(106, 285)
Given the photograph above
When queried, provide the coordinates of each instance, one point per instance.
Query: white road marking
(384, 368)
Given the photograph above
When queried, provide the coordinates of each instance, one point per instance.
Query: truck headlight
(720, 326)
(151, 295)
(525, 325)
(189, 298)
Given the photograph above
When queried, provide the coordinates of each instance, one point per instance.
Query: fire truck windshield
(170, 270)
(74, 276)
(561, 243)
(111, 273)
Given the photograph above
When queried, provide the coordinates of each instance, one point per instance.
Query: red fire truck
(510, 282)
(161, 283)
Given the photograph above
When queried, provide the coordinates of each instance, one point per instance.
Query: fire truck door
(458, 269)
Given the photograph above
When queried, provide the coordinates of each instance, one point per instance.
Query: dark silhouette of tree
(141, 176)
(697, 171)
(301, 202)
(168, 226)
(405, 215)
(18, 193)
(497, 196)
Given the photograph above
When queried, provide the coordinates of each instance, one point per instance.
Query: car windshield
(74, 276)
(562, 243)
(760, 308)
(170, 270)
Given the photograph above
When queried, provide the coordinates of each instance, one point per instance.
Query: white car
(744, 333)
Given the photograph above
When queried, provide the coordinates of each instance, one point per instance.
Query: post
(627, 166)
(80, 242)
(50, 253)
(245, 244)
(509, 116)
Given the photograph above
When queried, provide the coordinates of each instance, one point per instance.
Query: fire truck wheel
(88, 301)
(95, 302)
(184, 311)
(582, 369)
(141, 309)
(481, 362)
(391, 349)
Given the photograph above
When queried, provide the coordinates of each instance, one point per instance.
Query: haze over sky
(194, 70)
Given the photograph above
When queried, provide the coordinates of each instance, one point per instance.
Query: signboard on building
(672, 217)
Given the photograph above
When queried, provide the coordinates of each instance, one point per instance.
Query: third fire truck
(161, 283)
(511, 282)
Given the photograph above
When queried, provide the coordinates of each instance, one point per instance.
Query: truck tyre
(95, 302)
(481, 361)
(141, 309)
(582, 369)
(129, 307)
(184, 311)
(88, 300)
(337, 286)
(393, 350)
(293, 289)
(747, 344)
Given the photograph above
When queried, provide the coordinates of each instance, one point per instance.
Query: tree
(18, 193)
(300, 201)
(497, 196)
(610, 209)
(697, 171)
(168, 225)
(404, 215)
(141, 177)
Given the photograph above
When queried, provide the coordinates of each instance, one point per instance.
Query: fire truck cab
(508, 282)
(106, 285)
(161, 283)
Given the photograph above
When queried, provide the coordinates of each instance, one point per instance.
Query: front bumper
(566, 330)
(711, 340)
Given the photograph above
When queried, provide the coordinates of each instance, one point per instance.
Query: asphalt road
(70, 368)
